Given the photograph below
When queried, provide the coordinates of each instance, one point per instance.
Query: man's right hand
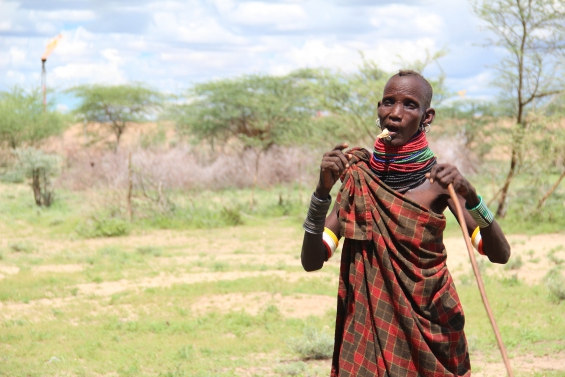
(333, 165)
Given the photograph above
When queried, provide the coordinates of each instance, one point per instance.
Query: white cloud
(74, 74)
(193, 27)
(404, 20)
(17, 56)
(68, 15)
(224, 5)
(112, 55)
(389, 54)
(5, 25)
(283, 16)
(181, 42)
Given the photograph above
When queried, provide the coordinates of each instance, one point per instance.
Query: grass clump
(231, 216)
(292, 369)
(313, 344)
(553, 257)
(514, 263)
(149, 250)
(103, 225)
(22, 247)
(186, 352)
(556, 284)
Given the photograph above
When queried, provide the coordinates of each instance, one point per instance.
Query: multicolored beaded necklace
(403, 168)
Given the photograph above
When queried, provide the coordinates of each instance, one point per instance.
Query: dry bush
(183, 167)
(452, 150)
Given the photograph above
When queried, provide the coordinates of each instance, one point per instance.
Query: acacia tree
(23, 121)
(116, 106)
(551, 148)
(258, 110)
(533, 33)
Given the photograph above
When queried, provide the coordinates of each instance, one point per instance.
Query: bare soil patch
(295, 306)
(34, 310)
(8, 270)
(59, 268)
(533, 250)
(486, 367)
(164, 280)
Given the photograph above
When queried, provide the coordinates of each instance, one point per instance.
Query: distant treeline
(303, 109)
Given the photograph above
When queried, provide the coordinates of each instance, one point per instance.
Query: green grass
(206, 209)
(157, 340)
(148, 330)
(154, 331)
(530, 321)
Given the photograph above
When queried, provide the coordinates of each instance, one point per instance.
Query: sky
(172, 44)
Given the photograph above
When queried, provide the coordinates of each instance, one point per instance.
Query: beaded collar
(403, 168)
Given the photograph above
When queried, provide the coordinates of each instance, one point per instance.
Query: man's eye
(411, 105)
(387, 102)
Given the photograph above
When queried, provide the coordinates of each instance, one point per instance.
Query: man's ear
(379, 104)
(429, 115)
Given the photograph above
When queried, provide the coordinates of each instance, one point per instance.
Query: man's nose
(396, 111)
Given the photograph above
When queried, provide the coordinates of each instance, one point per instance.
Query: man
(398, 312)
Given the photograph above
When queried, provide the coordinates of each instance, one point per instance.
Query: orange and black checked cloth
(398, 313)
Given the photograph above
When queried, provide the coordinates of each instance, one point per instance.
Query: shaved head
(427, 92)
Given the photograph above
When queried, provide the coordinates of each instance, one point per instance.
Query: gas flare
(51, 46)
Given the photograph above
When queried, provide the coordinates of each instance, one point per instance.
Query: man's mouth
(393, 130)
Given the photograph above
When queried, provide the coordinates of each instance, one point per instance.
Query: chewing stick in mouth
(384, 135)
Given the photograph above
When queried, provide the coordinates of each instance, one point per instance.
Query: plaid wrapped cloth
(398, 312)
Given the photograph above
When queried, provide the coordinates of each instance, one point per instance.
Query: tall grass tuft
(514, 263)
(555, 283)
(103, 225)
(313, 344)
(22, 247)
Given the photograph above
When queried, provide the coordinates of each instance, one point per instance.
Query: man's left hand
(444, 174)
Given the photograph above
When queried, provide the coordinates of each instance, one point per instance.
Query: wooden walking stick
(463, 225)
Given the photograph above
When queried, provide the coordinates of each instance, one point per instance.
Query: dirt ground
(254, 246)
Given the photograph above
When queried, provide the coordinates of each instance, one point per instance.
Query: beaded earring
(425, 127)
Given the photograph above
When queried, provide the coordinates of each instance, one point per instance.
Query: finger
(433, 173)
(341, 146)
(447, 179)
(339, 161)
(336, 171)
(343, 157)
(460, 186)
(446, 171)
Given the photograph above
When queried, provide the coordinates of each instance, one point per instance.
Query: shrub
(555, 283)
(514, 263)
(186, 353)
(553, 257)
(102, 225)
(149, 250)
(313, 344)
(232, 216)
(40, 168)
(22, 247)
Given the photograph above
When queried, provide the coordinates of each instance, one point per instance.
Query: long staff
(463, 225)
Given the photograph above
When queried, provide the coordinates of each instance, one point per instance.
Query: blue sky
(172, 44)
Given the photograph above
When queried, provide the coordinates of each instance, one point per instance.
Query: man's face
(401, 109)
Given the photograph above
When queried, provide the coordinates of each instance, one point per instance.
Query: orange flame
(51, 46)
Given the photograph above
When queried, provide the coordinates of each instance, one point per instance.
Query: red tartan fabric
(398, 312)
